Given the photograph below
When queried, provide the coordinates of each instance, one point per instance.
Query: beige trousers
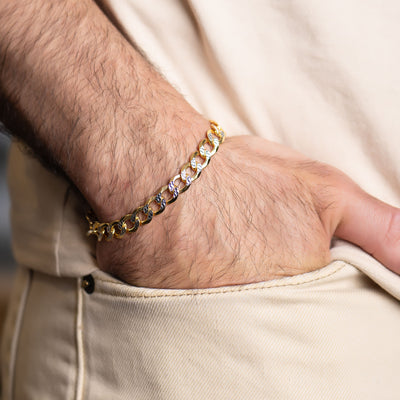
(296, 72)
(329, 334)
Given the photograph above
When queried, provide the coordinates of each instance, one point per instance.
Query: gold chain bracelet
(166, 195)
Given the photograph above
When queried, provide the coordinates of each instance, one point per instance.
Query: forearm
(94, 105)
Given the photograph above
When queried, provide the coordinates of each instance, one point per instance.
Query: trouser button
(88, 284)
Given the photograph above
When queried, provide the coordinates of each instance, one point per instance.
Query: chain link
(166, 195)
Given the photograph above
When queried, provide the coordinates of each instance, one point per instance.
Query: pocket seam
(149, 293)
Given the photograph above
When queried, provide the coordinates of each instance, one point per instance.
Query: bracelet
(166, 195)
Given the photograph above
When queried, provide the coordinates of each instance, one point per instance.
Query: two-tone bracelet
(166, 195)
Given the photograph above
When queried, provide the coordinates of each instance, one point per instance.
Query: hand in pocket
(259, 211)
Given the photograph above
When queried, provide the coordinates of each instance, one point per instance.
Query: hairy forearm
(93, 104)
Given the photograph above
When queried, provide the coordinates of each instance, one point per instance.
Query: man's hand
(259, 211)
(92, 105)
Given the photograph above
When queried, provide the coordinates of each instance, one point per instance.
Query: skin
(92, 107)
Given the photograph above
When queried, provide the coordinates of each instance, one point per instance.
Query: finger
(372, 225)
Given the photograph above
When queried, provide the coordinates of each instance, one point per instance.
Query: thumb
(372, 225)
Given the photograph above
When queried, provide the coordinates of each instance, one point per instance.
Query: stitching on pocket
(24, 280)
(149, 293)
(80, 350)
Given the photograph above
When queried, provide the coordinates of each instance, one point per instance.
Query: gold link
(161, 208)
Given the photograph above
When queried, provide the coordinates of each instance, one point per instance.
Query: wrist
(122, 178)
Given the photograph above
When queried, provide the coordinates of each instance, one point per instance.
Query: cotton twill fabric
(321, 77)
(328, 334)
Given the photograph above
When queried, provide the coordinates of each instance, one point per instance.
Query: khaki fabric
(321, 77)
(330, 334)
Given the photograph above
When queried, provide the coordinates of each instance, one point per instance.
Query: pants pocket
(315, 335)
